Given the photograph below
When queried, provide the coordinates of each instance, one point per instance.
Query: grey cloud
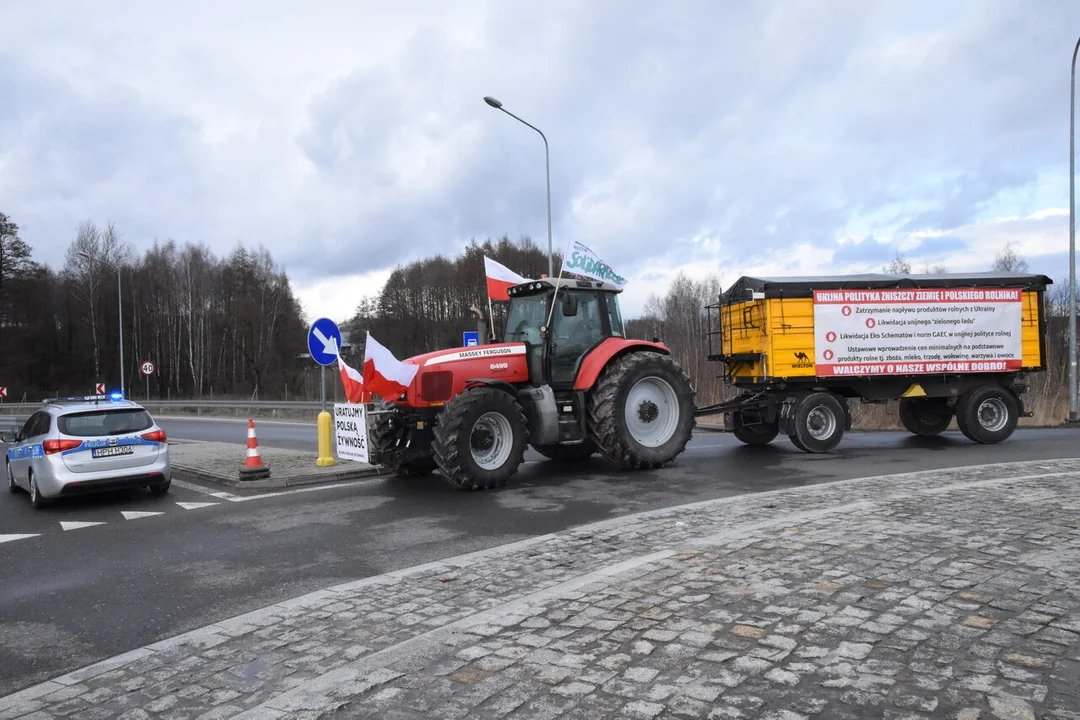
(765, 125)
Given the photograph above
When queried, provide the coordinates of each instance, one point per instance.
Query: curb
(233, 481)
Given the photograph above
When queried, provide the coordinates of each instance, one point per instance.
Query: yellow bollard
(326, 456)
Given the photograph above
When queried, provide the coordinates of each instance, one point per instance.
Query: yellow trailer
(946, 345)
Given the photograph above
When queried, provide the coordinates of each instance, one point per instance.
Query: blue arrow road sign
(471, 338)
(324, 341)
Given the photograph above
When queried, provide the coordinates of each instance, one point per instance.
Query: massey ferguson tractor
(571, 389)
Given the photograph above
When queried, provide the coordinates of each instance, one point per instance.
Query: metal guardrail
(16, 409)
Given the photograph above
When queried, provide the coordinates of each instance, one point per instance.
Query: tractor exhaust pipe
(481, 326)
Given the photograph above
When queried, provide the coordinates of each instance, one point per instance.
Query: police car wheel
(11, 486)
(35, 495)
(160, 489)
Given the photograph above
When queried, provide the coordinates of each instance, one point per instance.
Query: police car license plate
(111, 451)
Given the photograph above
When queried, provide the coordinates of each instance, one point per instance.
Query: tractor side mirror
(569, 305)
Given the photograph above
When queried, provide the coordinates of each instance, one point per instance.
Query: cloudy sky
(725, 137)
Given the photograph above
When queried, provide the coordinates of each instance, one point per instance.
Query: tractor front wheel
(480, 439)
(641, 410)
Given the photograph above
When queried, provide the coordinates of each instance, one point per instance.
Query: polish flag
(384, 374)
(353, 382)
(499, 278)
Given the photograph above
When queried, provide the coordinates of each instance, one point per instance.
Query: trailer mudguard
(594, 363)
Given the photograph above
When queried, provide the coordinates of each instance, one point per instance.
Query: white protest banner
(917, 331)
(581, 260)
(350, 431)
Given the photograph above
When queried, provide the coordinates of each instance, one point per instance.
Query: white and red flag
(499, 278)
(353, 382)
(384, 374)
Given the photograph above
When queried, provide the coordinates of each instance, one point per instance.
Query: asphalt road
(71, 597)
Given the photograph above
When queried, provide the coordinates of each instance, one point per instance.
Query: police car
(73, 446)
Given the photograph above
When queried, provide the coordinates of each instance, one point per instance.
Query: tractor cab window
(574, 335)
(614, 316)
(525, 318)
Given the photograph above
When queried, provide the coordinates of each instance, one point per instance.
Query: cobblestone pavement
(934, 594)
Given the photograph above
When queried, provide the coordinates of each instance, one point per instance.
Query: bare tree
(899, 265)
(84, 263)
(1009, 260)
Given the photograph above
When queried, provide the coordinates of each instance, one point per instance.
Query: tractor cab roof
(543, 285)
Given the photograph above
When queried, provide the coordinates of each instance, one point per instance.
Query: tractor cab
(586, 313)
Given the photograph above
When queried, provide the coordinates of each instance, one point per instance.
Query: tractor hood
(454, 355)
(444, 374)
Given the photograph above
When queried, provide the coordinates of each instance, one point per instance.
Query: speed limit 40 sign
(147, 368)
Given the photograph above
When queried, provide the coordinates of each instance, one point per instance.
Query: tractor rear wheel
(480, 439)
(641, 410)
(567, 453)
(403, 460)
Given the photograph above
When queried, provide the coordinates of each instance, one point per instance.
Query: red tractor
(570, 390)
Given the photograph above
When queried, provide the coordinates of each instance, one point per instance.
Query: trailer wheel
(641, 411)
(567, 453)
(987, 414)
(925, 416)
(402, 459)
(480, 439)
(818, 422)
(756, 434)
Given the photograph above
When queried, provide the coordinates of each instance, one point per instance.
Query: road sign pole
(147, 388)
(322, 385)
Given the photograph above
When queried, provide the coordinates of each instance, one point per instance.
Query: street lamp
(547, 165)
(120, 306)
(1072, 238)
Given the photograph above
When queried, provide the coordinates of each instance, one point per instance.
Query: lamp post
(1072, 238)
(120, 307)
(547, 165)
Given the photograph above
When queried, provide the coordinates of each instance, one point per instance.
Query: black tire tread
(801, 437)
(403, 462)
(604, 420)
(757, 434)
(914, 423)
(969, 425)
(450, 426)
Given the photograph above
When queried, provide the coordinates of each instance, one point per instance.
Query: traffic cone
(253, 468)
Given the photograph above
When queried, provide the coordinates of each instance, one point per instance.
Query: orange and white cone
(253, 468)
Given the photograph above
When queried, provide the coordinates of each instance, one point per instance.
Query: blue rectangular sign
(471, 338)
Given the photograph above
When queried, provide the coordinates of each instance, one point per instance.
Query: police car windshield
(97, 423)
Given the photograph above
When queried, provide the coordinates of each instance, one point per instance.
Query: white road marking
(200, 489)
(194, 506)
(136, 514)
(9, 538)
(71, 525)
